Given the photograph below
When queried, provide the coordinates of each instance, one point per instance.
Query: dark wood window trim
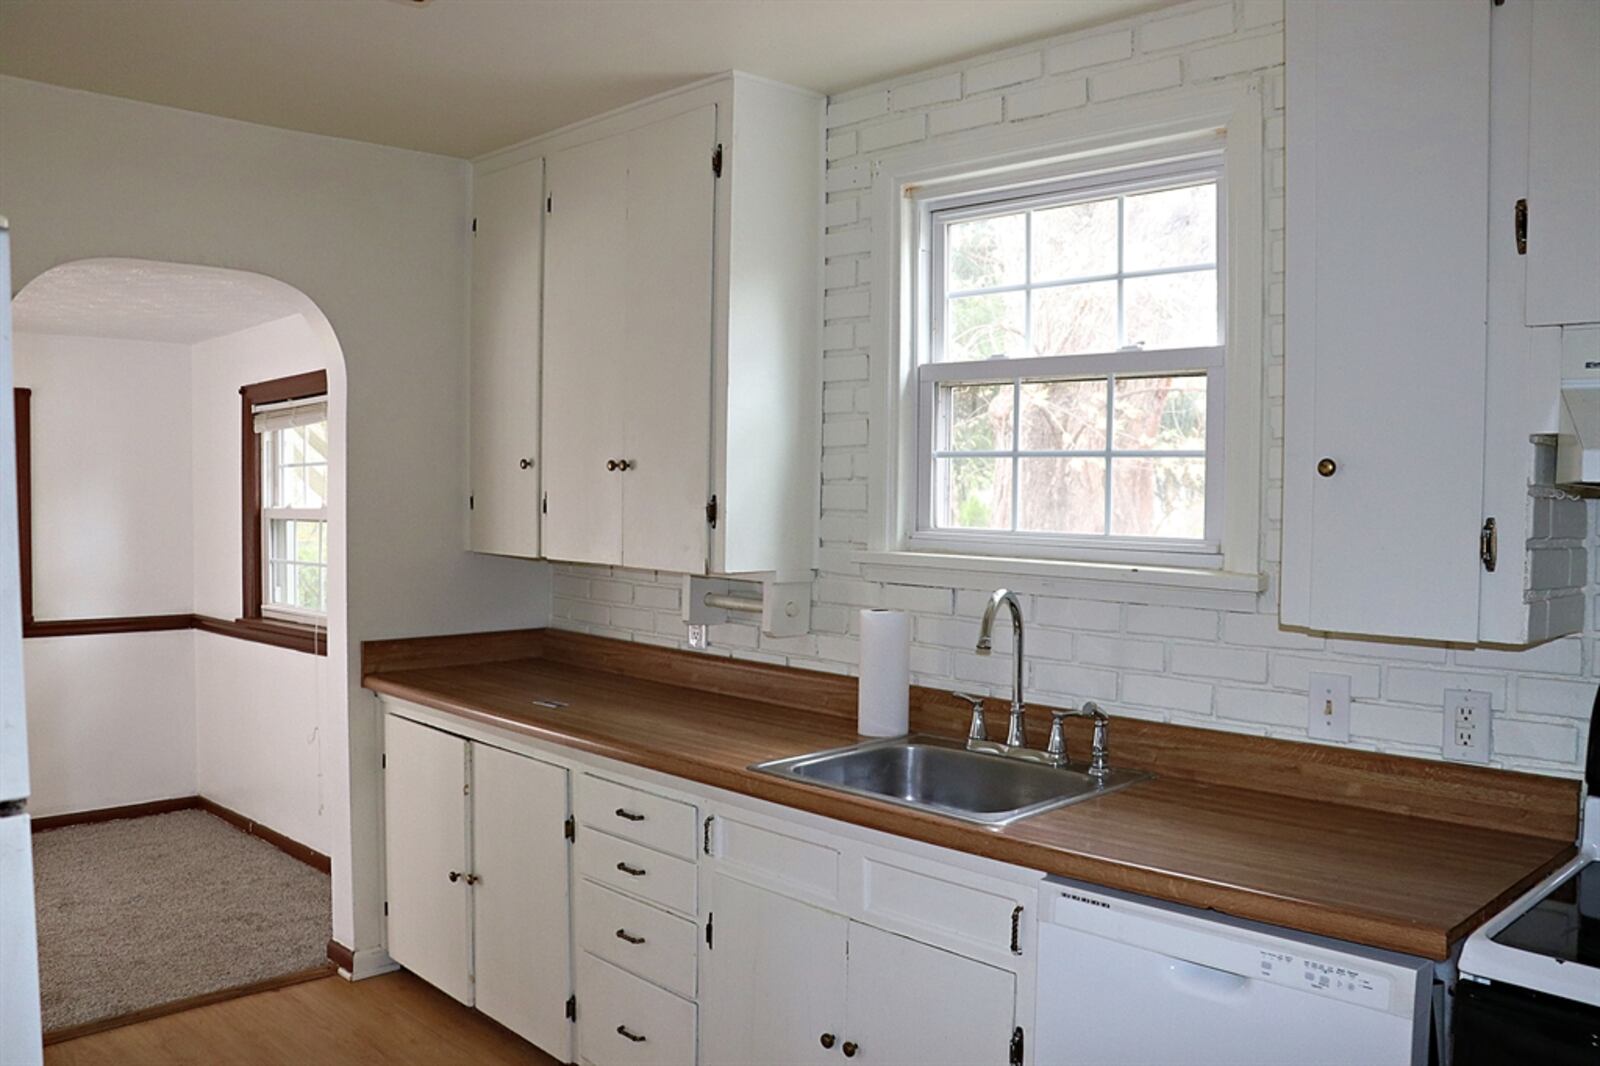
(250, 624)
(310, 639)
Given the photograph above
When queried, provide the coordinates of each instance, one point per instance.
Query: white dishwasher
(1129, 981)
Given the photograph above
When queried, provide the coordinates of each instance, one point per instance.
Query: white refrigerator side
(19, 952)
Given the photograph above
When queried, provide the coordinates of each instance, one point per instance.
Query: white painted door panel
(506, 257)
(425, 839)
(910, 1004)
(1385, 316)
(772, 983)
(585, 330)
(1563, 165)
(522, 937)
(666, 380)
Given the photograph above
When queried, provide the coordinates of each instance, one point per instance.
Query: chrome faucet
(1016, 737)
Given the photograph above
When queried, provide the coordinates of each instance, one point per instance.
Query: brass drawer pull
(631, 871)
(623, 812)
(623, 934)
(635, 1037)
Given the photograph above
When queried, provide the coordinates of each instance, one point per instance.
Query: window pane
(1158, 498)
(1076, 241)
(1161, 413)
(308, 542)
(317, 442)
(985, 327)
(987, 252)
(973, 493)
(308, 591)
(975, 418)
(1177, 227)
(294, 445)
(1063, 416)
(1063, 495)
(1171, 310)
(278, 583)
(1073, 319)
(278, 534)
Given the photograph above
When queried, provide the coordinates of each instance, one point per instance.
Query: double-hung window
(291, 441)
(1070, 382)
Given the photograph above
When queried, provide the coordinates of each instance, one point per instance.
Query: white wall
(1200, 665)
(111, 483)
(377, 238)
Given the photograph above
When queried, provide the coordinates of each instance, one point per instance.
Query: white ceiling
(464, 77)
(136, 299)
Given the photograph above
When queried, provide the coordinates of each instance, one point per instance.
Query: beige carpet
(144, 911)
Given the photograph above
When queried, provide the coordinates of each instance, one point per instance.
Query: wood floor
(394, 1019)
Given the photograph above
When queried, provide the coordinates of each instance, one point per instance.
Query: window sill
(313, 640)
(1126, 582)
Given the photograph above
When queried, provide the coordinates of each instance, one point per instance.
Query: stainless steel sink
(934, 774)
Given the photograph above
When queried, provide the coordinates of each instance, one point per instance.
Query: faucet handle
(1056, 746)
(976, 730)
(1099, 746)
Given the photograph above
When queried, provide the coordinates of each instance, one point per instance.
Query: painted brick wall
(1196, 665)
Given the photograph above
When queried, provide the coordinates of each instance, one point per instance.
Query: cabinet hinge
(716, 161)
(711, 512)
(472, 503)
(386, 908)
(474, 225)
(383, 761)
(705, 839)
(1520, 222)
(544, 504)
(1488, 545)
(549, 204)
(572, 1008)
(1016, 1046)
(710, 917)
(570, 828)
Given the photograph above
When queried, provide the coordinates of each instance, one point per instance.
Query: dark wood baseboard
(72, 1032)
(293, 848)
(342, 957)
(111, 814)
(308, 639)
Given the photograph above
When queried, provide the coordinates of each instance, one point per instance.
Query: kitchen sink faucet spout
(1016, 737)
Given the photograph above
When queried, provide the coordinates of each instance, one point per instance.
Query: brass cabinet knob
(1326, 467)
(827, 1040)
(849, 1049)
(611, 464)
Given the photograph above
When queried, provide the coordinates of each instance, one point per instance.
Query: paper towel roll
(884, 702)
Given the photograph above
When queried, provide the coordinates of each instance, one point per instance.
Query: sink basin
(934, 774)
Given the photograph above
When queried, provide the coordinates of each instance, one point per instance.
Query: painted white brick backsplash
(1232, 670)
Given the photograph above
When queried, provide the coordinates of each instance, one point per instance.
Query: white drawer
(655, 821)
(787, 863)
(979, 911)
(626, 1021)
(642, 939)
(629, 867)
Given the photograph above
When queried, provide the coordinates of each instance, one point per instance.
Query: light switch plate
(1466, 725)
(1328, 707)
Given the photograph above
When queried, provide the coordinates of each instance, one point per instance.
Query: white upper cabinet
(679, 415)
(1563, 214)
(508, 207)
(1386, 273)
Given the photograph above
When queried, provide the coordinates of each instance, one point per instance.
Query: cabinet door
(1386, 301)
(1563, 165)
(585, 335)
(521, 930)
(772, 981)
(425, 840)
(506, 255)
(912, 1004)
(666, 377)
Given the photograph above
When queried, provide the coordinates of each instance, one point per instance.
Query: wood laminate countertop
(1385, 879)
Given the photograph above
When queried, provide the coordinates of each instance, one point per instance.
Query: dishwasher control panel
(1337, 978)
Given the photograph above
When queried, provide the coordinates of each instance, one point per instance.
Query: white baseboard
(370, 962)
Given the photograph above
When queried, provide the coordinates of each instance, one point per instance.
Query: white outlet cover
(1328, 707)
(1466, 725)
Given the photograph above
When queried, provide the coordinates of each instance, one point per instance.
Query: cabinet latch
(1521, 224)
(711, 512)
(544, 503)
(711, 917)
(572, 1008)
(716, 161)
(570, 828)
(1016, 1046)
(1488, 545)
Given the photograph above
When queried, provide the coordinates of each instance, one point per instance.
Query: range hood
(1578, 443)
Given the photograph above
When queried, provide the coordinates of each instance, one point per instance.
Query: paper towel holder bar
(784, 606)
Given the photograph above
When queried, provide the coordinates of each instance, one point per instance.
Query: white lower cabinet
(477, 875)
(789, 983)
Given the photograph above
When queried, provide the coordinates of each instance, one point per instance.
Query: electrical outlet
(1466, 725)
(699, 636)
(1328, 707)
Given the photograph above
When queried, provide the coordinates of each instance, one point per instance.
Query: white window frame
(933, 216)
(1204, 122)
(268, 463)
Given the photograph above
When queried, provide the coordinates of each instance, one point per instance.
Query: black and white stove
(1530, 979)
